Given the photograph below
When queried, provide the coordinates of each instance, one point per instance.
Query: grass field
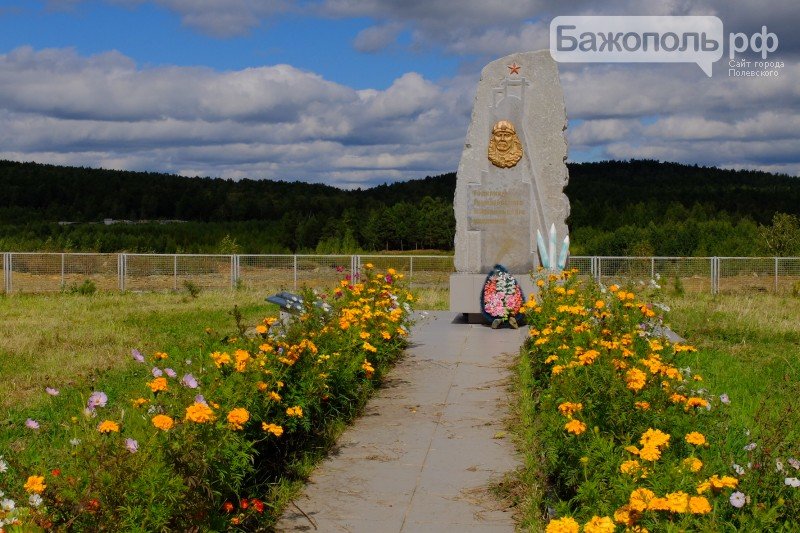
(70, 339)
(750, 349)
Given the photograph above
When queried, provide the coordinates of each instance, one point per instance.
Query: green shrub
(87, 288)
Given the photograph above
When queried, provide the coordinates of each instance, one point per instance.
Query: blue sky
(152, 35)
(357, 92)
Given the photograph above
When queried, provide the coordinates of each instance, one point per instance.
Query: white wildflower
(738, 499)
(35, 500)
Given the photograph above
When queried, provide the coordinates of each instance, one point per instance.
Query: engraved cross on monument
(511, 175)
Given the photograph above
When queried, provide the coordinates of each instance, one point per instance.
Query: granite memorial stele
(511, 176)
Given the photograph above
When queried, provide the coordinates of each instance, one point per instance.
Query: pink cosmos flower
(137, 355)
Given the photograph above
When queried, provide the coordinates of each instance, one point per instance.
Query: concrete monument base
(465, 291)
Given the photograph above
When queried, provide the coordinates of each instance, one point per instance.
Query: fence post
(121, 272)
(410, 268)
(295, 272)
(714, 275)
(776, 275)
(62, 270)
(10, 277)
(653, 268)
(234, 270)
(6, 272)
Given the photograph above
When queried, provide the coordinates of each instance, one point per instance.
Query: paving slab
(425, 453)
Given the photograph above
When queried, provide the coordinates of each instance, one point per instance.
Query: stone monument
(511, 177)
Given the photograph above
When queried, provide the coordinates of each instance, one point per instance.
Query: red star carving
(513, 68)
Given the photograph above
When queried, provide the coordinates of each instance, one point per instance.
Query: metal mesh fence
(421, 271)
(100, 269)
(322, 271)
(144, 272)
(584, 265)
(748, 274)
(267, 272)
(693, 274)
(42, 272)
(788, 275)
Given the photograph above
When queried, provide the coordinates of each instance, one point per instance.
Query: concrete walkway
(429, 444)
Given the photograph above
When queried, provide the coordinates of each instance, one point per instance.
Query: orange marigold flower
(650, 453)
(599, 524)
(563, 525)
(108, 426)
(588, 357)
(632, 468)
(221, 358)
(640, 499)
(698, 439)
(274, 396)
(163, 422)
(295, 411)
(237, 418)
(370, 348)
(658, 504)
(699, 505)
(158, 384)
(677, 398)
(261, 329)
(35, 485)
(138, 402)
(624, 516)
(242, 358)
(654, 437)
(695, 402)
(368, 369)
(575, 426)
(635, 379)
(693, 463)
(200, 413)
(275, 429)
(644, 406)
(678, 502)
(569, 408)
(160, 355)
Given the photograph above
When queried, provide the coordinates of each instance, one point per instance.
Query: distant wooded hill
(618, 208)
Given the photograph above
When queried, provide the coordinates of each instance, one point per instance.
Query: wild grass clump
(212, 438)
(627, 436)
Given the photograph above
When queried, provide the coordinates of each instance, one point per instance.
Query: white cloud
(275, 122)
(283, 122)
(376, 38)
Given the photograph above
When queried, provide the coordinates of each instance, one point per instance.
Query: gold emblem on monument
(505, 149)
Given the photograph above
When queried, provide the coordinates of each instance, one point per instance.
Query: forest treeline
(638, 207)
